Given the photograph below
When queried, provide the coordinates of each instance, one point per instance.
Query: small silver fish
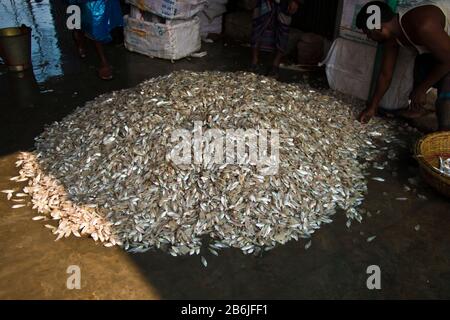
(204, 262)
(214, 252)
(20, 195)
(308, 245)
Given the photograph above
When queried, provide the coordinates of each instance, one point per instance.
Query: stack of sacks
(167, 29)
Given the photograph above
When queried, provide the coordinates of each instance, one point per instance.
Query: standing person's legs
(98, 18)
(262, 30)
(104, 70)
(80, 42)
(283, 21)
(255, 36)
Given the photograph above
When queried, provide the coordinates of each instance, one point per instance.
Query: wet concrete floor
(412, 244)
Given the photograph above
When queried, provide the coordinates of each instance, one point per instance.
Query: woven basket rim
(425, 164)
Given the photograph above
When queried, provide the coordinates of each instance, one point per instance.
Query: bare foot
(105, 73)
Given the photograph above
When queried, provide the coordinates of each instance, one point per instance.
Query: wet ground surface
(412, 244)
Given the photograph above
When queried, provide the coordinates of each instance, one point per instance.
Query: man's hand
(418, 98)
(293, 7)
(367, 114)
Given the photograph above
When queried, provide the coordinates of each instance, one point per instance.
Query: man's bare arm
(390, 54)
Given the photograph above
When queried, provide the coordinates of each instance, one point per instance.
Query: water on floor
(37, 15)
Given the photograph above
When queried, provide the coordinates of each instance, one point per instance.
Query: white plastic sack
(215, 8)
(173, 40)
(349, 67)
(170, 9)
(208, 26)
(135, 13)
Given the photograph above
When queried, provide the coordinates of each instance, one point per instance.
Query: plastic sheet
(208, 26)
(99, 17)
(215, 8)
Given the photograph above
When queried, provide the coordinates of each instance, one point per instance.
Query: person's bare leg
(80, 41)
(254, 66)
(277, 60)
(255, 56)
(274, 71)
(104, 71)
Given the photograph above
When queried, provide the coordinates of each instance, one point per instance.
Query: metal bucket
(15, 47)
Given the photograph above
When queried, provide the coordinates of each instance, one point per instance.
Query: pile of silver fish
(103, 170)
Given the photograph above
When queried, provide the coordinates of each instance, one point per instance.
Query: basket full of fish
(108, 171)
(433, 154)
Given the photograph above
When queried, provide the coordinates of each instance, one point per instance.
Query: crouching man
(424, 28)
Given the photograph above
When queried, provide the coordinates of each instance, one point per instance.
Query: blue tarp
(99, 17)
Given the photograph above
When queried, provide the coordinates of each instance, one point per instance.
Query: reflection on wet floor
(24, 88)
(37, 14)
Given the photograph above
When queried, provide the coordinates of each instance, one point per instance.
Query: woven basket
(428, 150)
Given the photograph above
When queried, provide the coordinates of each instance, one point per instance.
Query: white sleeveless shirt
(444, 5)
